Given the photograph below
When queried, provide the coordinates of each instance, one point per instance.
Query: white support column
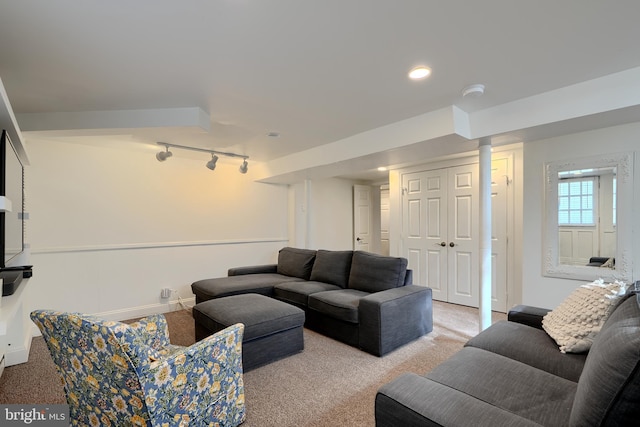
(485, 232)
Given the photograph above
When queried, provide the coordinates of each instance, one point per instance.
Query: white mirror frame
(623, 162)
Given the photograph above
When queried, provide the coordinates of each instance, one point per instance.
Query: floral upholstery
(118, 374)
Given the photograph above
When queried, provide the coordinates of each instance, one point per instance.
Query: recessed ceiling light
(382, 169)
(420, 72)
(273, 134)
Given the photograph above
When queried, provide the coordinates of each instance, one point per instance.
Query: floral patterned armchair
(117, 374)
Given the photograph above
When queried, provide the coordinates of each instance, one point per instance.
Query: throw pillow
(578, 319)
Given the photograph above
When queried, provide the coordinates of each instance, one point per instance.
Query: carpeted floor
(327, 384)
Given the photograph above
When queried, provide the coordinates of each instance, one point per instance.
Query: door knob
(443, 244)
(452, 244)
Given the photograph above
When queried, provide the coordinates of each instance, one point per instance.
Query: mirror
(588, 205)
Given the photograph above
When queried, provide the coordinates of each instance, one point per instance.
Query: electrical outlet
(165, 293)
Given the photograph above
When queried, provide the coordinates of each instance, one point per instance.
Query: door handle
(443, 244)
(452, 244)
(359, 240)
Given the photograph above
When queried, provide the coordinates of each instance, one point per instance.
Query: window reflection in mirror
(587, 217)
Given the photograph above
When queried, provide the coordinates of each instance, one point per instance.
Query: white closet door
(463, 243)
(425, 229)
(440, 231)
(384, 221)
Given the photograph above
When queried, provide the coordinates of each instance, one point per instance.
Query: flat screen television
(11, 186)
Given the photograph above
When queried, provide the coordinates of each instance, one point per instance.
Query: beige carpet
(328, 384)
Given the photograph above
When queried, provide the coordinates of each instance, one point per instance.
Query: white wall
(332, 214)
(322, 212)
(545, 291)
(110, 225)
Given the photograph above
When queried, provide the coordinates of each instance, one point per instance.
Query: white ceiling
(317, 72)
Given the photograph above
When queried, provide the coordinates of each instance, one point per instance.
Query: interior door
(463, 236)
(384, 220)
(425, 228)
(362, 229)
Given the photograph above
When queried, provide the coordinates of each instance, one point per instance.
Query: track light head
(164, 155)
(244, 166)
(211, 164)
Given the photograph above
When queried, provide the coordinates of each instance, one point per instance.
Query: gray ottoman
(272, 328)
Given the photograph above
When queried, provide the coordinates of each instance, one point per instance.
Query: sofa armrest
(527, 315)
(412, 400)
(253, 269)
(391, 318)
(408, 277)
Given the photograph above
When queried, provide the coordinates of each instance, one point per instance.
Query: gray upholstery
(527, 315)
(332, 267)
(385, 312)
(374, 273)
(508, 384)
(273, 329)
(513, 374)
(402, 403)
(262, 283)
(296, 262)
(531, 346)
(298, 292)
(384, 317)
(253, 269)
(609, 389)
(341, 304)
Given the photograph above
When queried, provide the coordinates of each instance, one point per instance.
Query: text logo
(49, 415)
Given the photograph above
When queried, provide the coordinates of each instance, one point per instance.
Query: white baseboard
(133, 313)
(146, 310)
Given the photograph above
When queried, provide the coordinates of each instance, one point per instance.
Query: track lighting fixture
(244, 167)
(164, 155)
(211, 164)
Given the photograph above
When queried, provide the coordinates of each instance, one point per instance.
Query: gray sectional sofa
(513, 374)
(362, 299)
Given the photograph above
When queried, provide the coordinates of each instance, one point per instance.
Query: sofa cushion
(609, 389)
(250, 283)
(374, 273)
(296, 262)
(332, 267)
(340, 304)
(508, 384)
(531, 346)
(412, 400)
(298, 292)
(577, 320)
